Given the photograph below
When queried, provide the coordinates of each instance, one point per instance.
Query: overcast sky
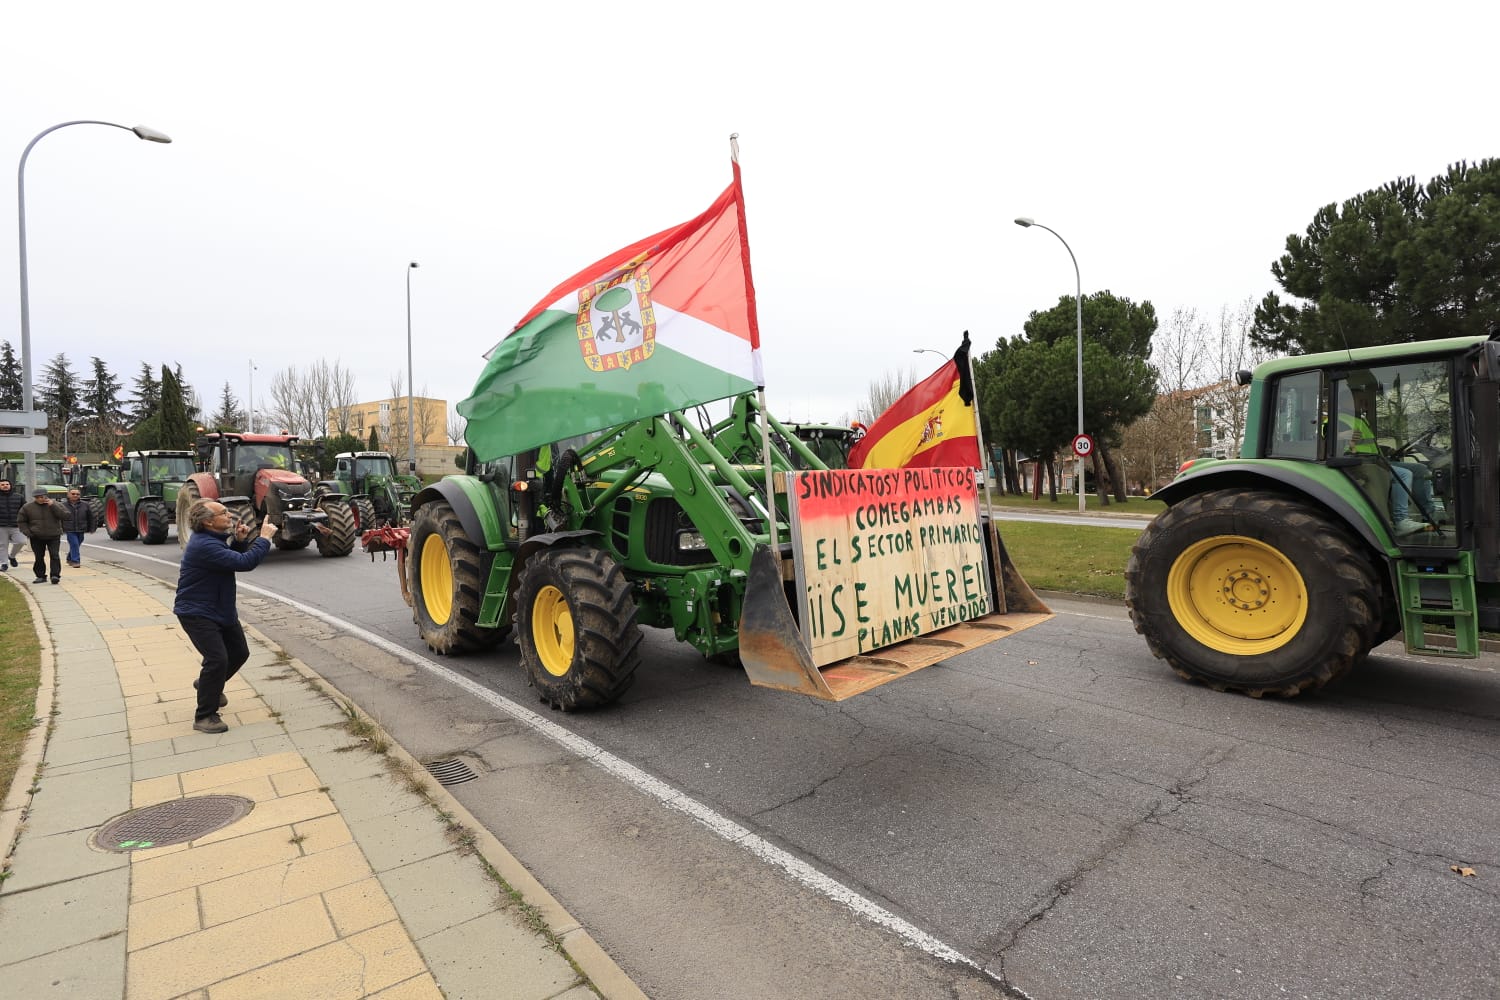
(886, 147)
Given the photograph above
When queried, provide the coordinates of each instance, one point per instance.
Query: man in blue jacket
(205, 601)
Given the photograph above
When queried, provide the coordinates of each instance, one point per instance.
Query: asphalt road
(1055, 815)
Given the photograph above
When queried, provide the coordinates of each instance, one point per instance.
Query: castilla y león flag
(932, 426)
(663, 324)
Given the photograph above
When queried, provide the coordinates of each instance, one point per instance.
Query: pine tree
(229, 415)
(57, 391)
(176, 430)
(10, 378)
(147, 394)
(374, 441)
(190, 401)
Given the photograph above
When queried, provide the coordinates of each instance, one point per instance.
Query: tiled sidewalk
(341, 881)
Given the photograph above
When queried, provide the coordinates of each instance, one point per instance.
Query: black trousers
(224, 651)
(42, 548)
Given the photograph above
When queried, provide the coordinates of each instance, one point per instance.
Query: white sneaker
(1406, 526)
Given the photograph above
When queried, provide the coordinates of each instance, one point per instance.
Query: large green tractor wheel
(117, 517)
(151, 521)
(186, 497)
(576, 626)
(1252, 591)
(445, 569)
(340, 538)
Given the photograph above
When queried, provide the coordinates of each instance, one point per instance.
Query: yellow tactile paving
(280, 903)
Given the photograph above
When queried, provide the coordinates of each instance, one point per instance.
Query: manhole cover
(175, 822)
(451, 772)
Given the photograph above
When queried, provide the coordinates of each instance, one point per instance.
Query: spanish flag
(932, 426)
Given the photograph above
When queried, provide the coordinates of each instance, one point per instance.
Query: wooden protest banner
(884, 555)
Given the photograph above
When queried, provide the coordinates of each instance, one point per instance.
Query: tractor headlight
(691, 541)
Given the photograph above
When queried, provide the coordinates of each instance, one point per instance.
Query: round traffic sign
(1083, 446)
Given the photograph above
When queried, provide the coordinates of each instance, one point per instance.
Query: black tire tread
(462, 632)
(340, 538)
(124, 530)
(1352, 633)
(607, 636)
(155, 512)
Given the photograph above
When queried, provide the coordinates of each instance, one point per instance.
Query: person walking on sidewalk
(79, 522)
(11, 539)
(206, 601)
(42, 522)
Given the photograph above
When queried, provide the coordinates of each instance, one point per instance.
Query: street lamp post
(70, 422)
(141, 132)
(411, 412)
(250, 402)
(1026, 223)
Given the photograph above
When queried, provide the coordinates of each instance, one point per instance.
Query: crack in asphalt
(1174, 798)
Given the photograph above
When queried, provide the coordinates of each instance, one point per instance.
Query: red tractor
(253, 475)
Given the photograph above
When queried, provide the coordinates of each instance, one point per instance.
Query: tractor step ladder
(1425, 606)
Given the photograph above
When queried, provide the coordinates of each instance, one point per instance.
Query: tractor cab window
(1392, 428)
(372, 467)
(171, 468)
(344, 466)
(1297, 417)
(252, 457)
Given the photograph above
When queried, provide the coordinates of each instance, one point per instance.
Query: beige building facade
(435, 456)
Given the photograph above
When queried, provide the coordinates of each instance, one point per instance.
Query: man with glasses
(78, 520)
(205, 602)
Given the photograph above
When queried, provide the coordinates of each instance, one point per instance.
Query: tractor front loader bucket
(775, 655)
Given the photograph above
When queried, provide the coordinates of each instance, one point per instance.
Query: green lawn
(1080, 560)
(20, 668)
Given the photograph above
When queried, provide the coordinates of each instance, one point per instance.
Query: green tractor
(142, 501)
(91, 480)
(378, 494)
(830, 442)
(1365, 504)
(49, 475)
(665, 522)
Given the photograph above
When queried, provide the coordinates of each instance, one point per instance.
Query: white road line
(722, 826)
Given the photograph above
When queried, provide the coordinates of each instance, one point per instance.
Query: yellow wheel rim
(437, 580)
(552, 630)
(1237, 595)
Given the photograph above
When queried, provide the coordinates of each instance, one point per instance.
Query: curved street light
(1026, 223)
(141, 132)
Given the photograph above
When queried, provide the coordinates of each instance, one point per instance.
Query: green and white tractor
(142, 500)
(667, 522)
(378, 494)
(1365, 504)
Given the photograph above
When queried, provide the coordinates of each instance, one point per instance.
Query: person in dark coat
(205, 602)
(42, 522)
(11, 539)
(79, 522)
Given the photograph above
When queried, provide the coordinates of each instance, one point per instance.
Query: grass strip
(20, 672)
(1079, 560)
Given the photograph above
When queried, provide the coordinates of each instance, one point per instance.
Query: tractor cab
(151, 470)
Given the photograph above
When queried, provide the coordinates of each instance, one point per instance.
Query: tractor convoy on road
(1365, 504)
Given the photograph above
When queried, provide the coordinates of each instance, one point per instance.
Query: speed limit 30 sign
(1083, 446)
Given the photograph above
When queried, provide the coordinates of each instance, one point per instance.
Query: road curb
(17, 802)
(607, 977)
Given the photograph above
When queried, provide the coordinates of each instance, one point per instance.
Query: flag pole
(760, 378)
(979, 431)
